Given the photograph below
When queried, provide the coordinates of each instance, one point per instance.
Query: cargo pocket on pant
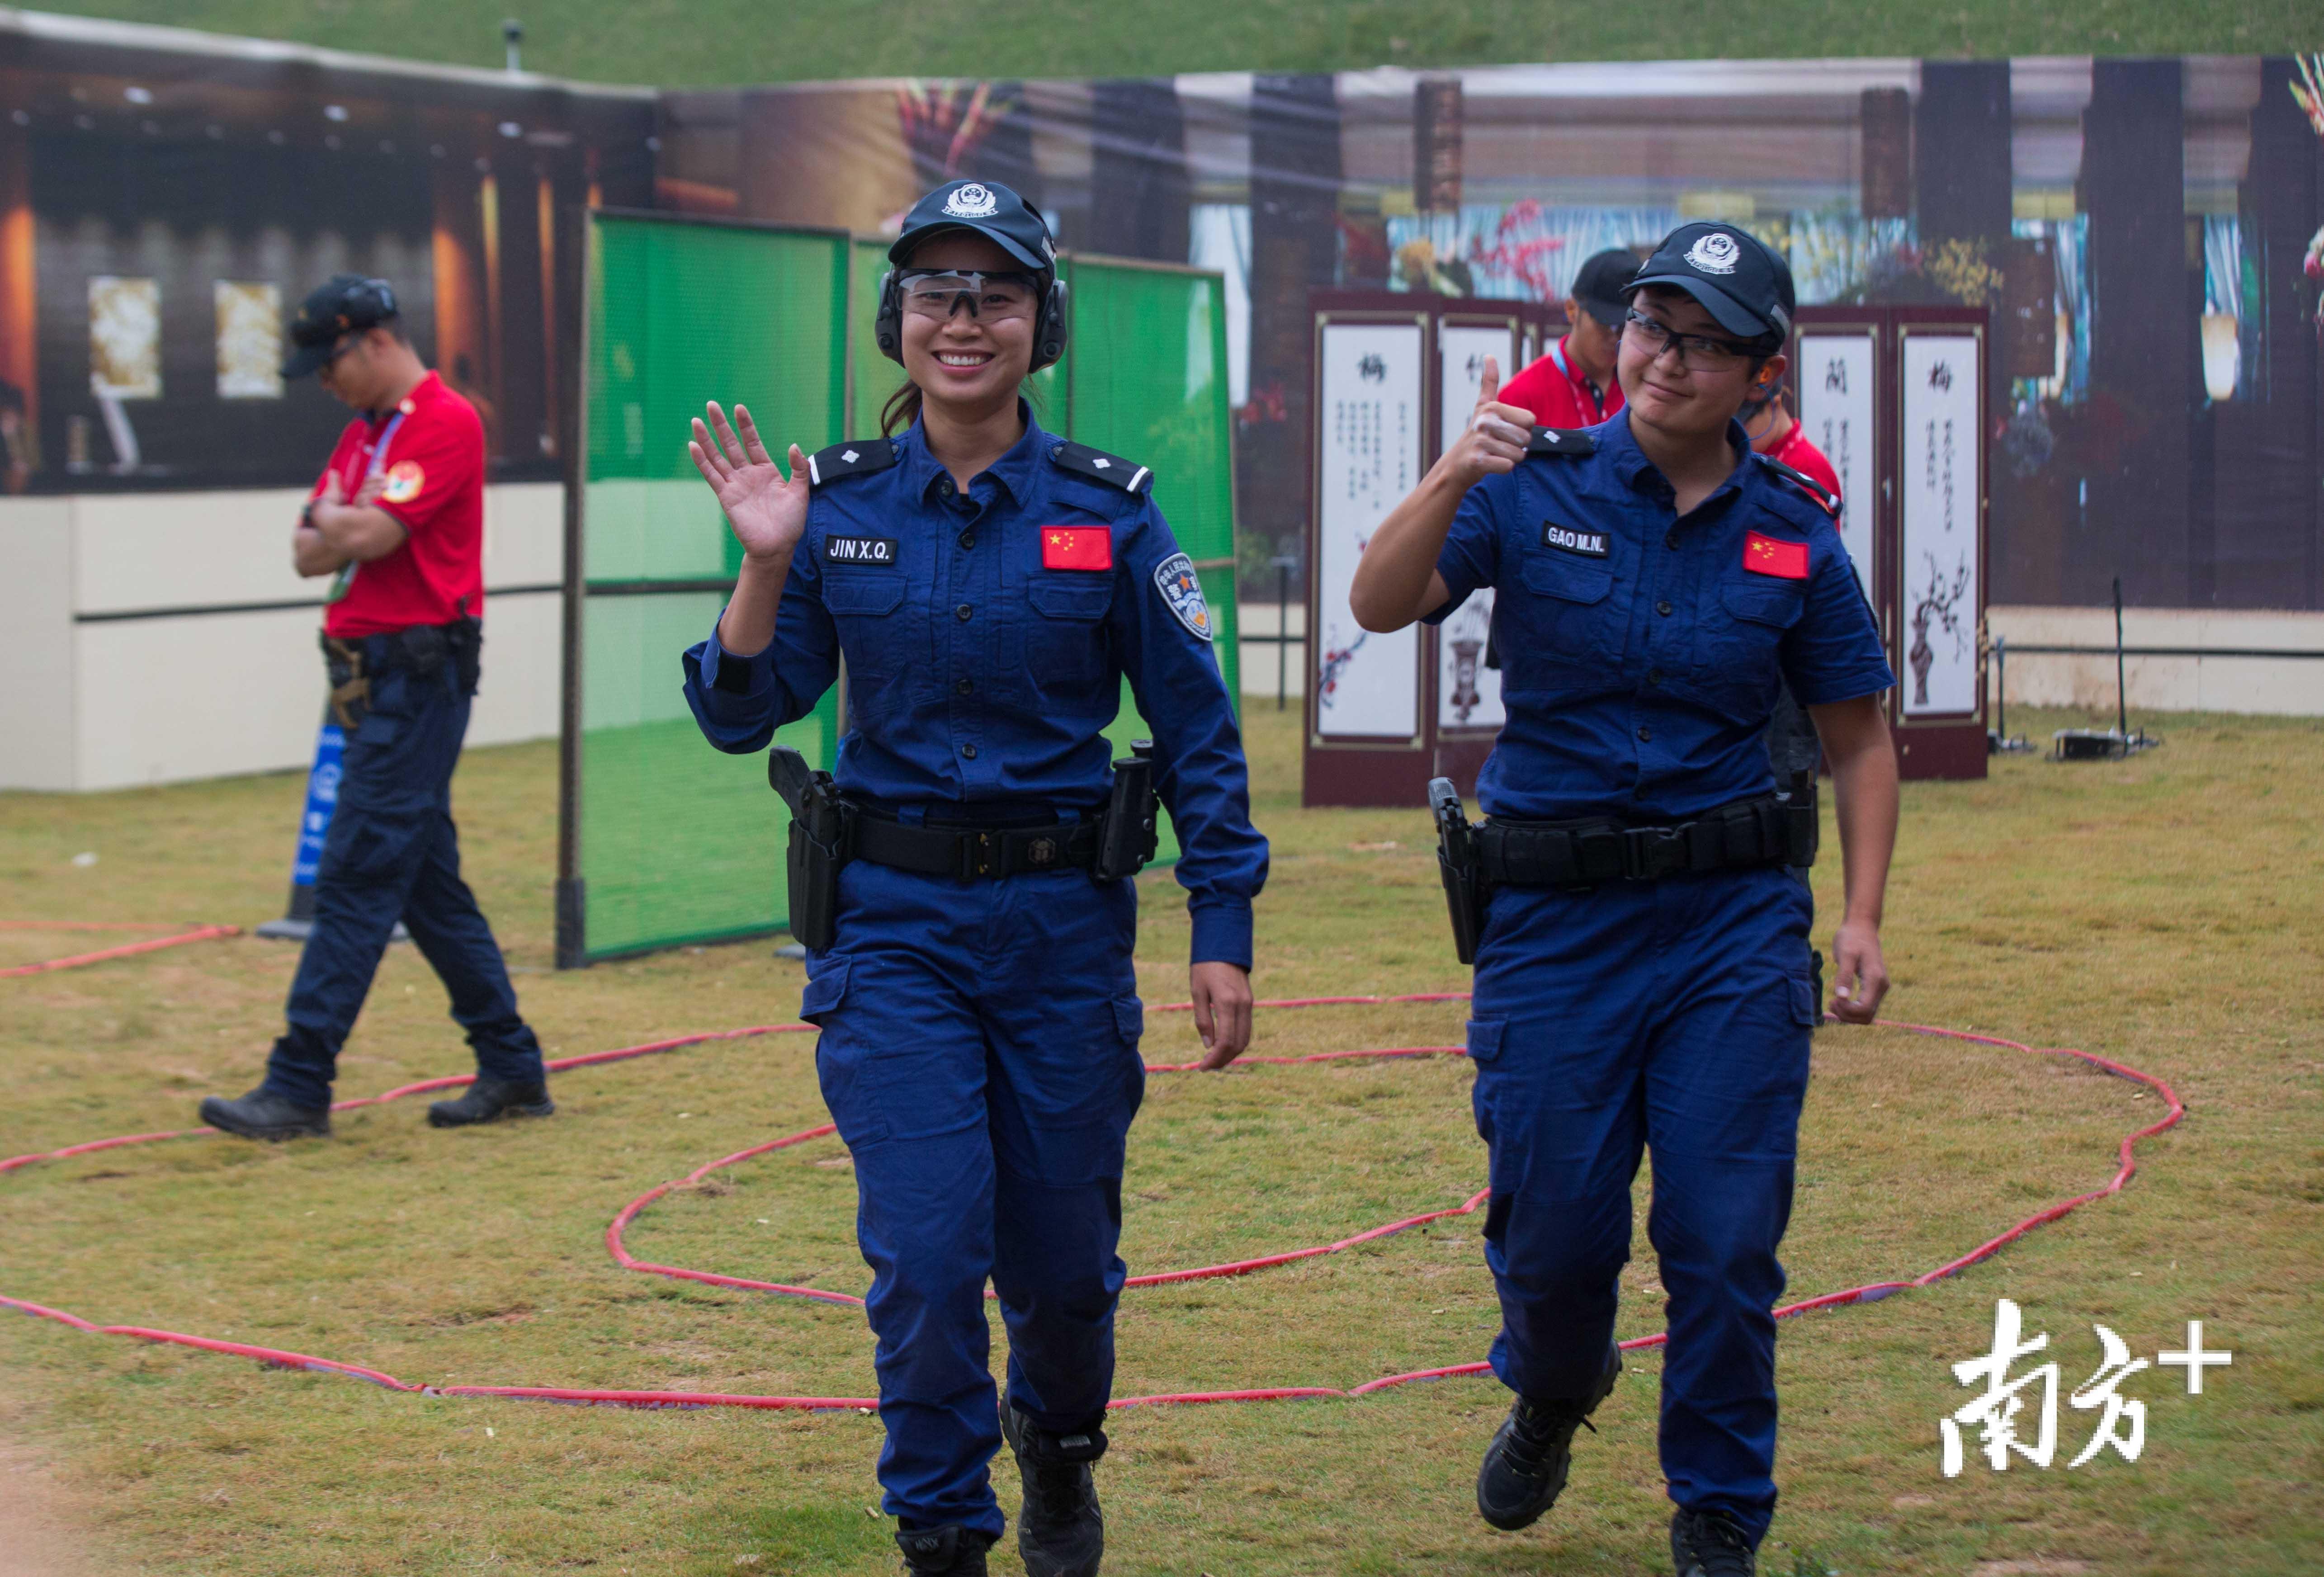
(1805, 1008)
(1484, 1050)
(853, 1102)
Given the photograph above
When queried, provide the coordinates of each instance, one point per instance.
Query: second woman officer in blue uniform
(988, 585)
(1644, 976)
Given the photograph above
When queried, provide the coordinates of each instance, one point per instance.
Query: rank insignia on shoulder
(1822, 497)
(1562, 440)
(1099, 466)
(854, 457)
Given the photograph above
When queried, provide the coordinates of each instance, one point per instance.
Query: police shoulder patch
(1099, 466)
(1822, 497)
(1562, 440)
(1182, 593)
(854, 457)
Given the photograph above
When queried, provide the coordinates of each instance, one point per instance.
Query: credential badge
(1182, 593)
(1714, 254)
(974, 201)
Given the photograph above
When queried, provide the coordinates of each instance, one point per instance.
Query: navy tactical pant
(1673, 1016)
(980, 1056)
(391, 854)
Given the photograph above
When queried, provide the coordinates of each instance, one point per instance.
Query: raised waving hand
(766, 510)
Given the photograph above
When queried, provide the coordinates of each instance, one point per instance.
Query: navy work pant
(980, 1056)
(1673, 1016)
(391, 854)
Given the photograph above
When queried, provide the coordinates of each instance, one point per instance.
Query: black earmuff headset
(1052, 326)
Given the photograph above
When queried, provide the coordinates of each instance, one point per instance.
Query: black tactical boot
(951, 1550)
(1708, 1544)
(1060, 1531)
(489, 1100)
(259, 1115)
(1525, 1466)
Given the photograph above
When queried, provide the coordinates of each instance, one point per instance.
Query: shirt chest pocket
(880, 636)
(1570, 617)
(1746, 621)
(1066, 649)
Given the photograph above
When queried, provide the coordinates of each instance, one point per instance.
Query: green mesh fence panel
(678, 842)
(1148, 381)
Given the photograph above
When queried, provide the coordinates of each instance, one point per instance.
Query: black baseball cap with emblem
(1739, 280)
(987, 208)
(1599, 285)
(346, 303)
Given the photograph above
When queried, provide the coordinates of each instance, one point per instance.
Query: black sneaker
(1060, 1531)
(488, 1100)
(1525, 1466)
(951, 1550)
(259, 1115)
(1708, 1544)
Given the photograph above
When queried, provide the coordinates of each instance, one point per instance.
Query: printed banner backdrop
(152, 187)
(1368, 382)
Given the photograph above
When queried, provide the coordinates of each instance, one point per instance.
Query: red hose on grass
(1872, 1292)
(153, 945)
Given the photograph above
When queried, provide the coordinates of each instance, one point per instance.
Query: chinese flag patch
(1769, 556)
(1079, 548)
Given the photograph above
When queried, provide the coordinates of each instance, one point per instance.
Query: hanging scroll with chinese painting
(1936, 552)
(1368, 438)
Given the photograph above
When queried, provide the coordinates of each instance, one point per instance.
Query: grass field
(716, 41)
(2161, 911)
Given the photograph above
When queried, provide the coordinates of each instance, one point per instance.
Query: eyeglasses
(994, 297)
(1702, 350)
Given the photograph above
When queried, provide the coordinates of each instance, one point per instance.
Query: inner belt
(971, 854)
(1594, 850)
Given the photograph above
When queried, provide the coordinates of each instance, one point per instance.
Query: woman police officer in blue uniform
(1644, 974)
(989, 586)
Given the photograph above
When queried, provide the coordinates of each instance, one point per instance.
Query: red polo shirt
(1801, 456)
(1558, 392)
(431, 449)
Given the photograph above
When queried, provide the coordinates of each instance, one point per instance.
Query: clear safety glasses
(1702, 350)
(992, 297)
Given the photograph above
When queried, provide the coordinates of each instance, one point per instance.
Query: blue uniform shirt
(977, 677)
(1640, 652)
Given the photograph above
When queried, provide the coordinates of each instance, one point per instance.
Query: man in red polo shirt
(397, 520)
(1573, 385)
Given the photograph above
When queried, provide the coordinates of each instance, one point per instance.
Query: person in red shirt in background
(1573, 385)
(1778, 434)
(1792, 743)
(398, 520)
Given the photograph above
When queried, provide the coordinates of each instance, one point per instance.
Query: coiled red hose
(1870, 1293)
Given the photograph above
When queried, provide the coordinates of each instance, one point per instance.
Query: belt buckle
(1651, 852)
(977, 853)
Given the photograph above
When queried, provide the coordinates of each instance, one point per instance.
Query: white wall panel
(36, 667)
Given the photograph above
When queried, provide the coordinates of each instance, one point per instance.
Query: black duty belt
(968, 852)
(1594, 850)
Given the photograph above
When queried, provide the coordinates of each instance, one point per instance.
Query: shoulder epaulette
(1562, 440)
(854, 457)
(1099, 466)
(1822, 497)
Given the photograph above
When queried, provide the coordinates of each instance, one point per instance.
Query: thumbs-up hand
(1497, 434)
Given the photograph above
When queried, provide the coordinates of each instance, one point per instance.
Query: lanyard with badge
(346, 578)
